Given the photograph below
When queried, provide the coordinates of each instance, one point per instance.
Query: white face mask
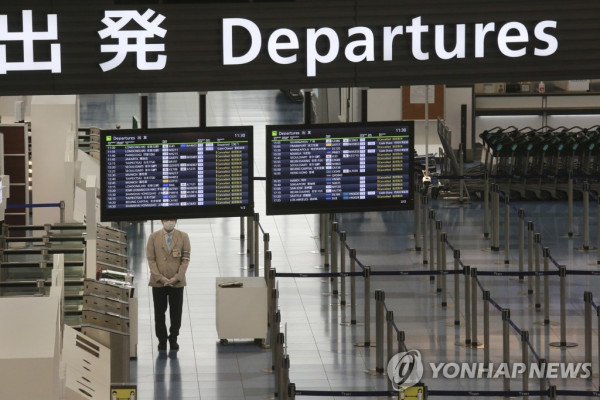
(169, 225)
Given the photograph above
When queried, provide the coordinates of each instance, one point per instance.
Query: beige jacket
(164, 264)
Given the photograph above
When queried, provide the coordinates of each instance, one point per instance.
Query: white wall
(7, 108)
(386, 105)
(53, 123)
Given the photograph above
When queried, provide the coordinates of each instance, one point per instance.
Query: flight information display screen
(329, 168)
(176, 173)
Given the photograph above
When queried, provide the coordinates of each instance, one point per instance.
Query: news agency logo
(405, 369)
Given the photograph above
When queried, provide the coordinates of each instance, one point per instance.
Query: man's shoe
(174, 345)
(162, 346)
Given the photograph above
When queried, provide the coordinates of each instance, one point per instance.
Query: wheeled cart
(241, 308)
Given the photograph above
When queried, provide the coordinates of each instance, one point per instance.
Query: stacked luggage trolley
(536, 164)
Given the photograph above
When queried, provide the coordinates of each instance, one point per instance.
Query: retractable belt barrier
(384, 314)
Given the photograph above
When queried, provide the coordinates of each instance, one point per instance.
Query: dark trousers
(163, 297)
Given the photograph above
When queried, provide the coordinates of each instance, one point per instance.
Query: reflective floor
(320, 345)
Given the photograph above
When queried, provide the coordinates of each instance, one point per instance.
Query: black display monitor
(331, 168)
(176, 173)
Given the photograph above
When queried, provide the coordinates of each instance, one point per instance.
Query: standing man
(168, 254)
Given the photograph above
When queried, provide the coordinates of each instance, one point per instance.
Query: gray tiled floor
(322, 351)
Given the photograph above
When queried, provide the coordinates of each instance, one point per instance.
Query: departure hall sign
(61, 46)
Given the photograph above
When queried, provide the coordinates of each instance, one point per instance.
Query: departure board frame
(279, 182)
(211, 138)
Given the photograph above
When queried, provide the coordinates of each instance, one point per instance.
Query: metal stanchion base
(492, 250)
(451, 324)
(477, 346)
(444, 306)
(364, 345)
(547, 323)
(351, 324)
(374, 372)
(583, 248)
(316, 251)
(563, 344)
(570, 235)
(268, 370)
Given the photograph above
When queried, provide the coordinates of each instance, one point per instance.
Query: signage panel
(62, 47)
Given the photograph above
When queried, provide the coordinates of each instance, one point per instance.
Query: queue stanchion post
(598, 335)
(417, 215)
(329, 219)
(275, 325)
(62, 211)
(379, 332)
(495, 218)
(552, 392)
(438, 228)
(546, 254)
(587, 299)
(367, 296)
(333, 262)
(486, 328)
(268, 259)
(542, 366)
(284, 377)
(443, 240)
(521, 215)
(266, 242)
(278, 350)
(425, 201)
(270, 300)
(461, 181)
(389, 317)
(256, 245)
(431, 244)
(562, 273)
(586, 216)
(401, 338)
(538, 289)
(292, 391)
(242, 235)
(525, 361)
(486, 204)
(530, 237)
(323, 232)
(342, 236)
(456, 287)
(506, 229)
(492, 216)
(353, 287)
(474, 342)
(250, 240)
(570, 199)
(467, 273)
(506, 343)
(270, 278)
(598, 229)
